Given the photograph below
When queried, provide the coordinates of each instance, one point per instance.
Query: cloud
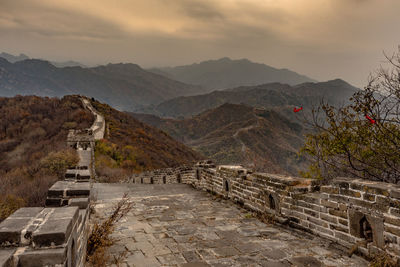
(300, 34)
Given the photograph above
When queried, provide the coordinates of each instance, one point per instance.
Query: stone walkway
(176, 225)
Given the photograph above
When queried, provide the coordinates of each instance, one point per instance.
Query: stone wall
(358, 214)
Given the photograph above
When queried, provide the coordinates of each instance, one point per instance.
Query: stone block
(328, 218)
(318, 222)
(82, 203)
(377, 188)
(45, 257)
(392, 220)
(349, 192)
(57, 189)
(392, 229)
(344, 237)
(339, 228)
(339, 198)
(26, 212)
(369, 197)
(53, 202)
(54, 232)
(328, 204)
(6, 257)
(83, 175)
(395, 193)
(362, 203)
(78, 189)
(338, 213)
(10, 228)
(56, 229)
(70, 173)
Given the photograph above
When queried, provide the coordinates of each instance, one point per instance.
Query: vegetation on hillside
(361, 139)
(33, 149)
(261, 139)
(132, 146)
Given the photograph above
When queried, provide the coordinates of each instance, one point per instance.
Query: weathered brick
(329, 204)
(349, 192)
(342, 206)
(329, 189)
(379, 189)
(344, 237)
(369, 197)
(318, 222)
(339, 198)
(395, 193)
(338, 213)
(357, 186)
(312, 213)
(328, 218)
(392, 229)
(339, 228)
(392, 220)
(343, 222)
(362, 203)
(342, 184)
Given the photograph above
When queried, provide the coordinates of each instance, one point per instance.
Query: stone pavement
(176, 225)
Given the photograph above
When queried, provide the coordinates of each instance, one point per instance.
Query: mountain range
(70, 63)
(226, 73)
(124, 86)
(281, 97)
(239, 134)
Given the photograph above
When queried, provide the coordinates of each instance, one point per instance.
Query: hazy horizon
(322, 39)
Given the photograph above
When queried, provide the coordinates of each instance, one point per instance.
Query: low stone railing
(359, 214)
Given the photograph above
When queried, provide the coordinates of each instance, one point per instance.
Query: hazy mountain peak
(224, 73)
(11, 58)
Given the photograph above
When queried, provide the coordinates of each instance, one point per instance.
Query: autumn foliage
(132, 146)
(33, 149)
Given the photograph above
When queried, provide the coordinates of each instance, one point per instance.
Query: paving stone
(195, 264)
(226, 251)
(171, 259)
(215, 233)
(6, 257)
(248, 247)
(82, 203)
(275, 254)
(306, 261)
(191, 256)
(45, 257)
(270, 263)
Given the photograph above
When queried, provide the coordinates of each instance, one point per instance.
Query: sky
(323, 39)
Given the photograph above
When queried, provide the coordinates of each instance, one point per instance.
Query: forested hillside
(132, 146)
(33, 149)
(238, 134)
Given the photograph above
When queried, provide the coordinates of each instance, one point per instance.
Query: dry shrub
(383, 259)
(100, 237)
(58, 162)
(111, 175)
(9, 204)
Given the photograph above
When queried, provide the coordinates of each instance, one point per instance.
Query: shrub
(9, 204)
(100, 237)
(58, 162)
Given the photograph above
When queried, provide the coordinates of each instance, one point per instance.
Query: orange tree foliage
(134, 146)
(33, 150)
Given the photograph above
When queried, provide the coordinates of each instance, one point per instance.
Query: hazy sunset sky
(323, 39)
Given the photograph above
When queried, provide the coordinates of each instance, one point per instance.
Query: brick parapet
(351, 212)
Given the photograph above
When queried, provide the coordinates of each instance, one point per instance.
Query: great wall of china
(177, 222)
